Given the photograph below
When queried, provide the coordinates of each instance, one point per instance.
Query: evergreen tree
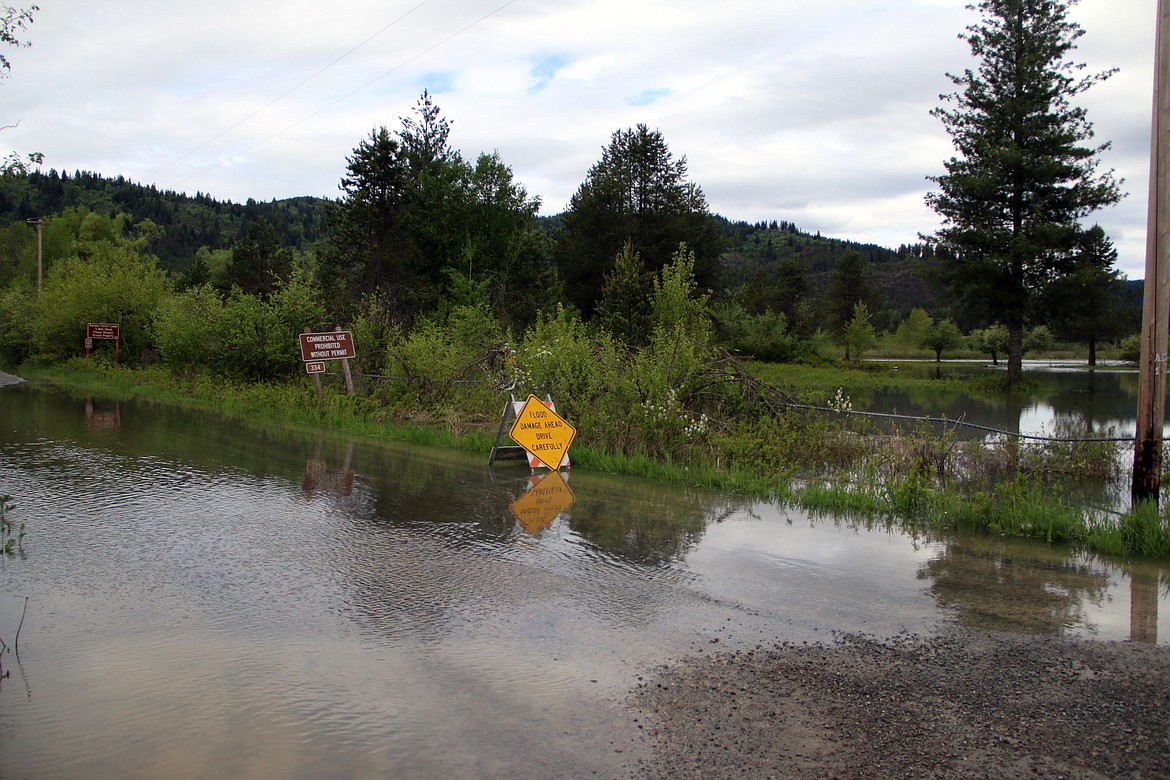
(419, 226)
(1011, 201)
(259, 263)
(366, 251)
(1086, 304)
(848, 286)
(624, 309)
(792, 296)
(638, 193)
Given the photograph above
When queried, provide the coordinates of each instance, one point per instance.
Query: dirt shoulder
(972, 704)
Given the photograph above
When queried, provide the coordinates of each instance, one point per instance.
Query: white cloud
(812, 112)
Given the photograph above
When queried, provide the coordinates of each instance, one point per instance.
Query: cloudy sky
(810, 111)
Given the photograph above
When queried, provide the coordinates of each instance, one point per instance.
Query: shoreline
(968, 703)
(10, 379)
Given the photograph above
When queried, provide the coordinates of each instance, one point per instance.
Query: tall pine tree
(1026, 170)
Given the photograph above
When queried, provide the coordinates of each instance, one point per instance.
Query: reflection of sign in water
(102, 420)
(545, 498)
(544, 433)
(319, 478)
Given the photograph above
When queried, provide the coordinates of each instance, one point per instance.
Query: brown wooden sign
(331, 345)
(101, 330)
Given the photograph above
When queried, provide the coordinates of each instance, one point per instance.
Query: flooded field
(209, 599)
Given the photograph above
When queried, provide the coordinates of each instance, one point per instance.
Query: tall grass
(825, 462)
(1143, 531)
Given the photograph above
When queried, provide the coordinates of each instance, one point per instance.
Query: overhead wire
(288, 91)
(351, 93)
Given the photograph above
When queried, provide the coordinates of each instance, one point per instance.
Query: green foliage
(457, 355)
(560, 357)
(1038, 340)
(992, 340)
(188, 329)
(676, 305)
(1131, 348)
(259, 264)
(244, 336)
(108, 280)
(1086, 304)
(848, 286)
(415, 215)
(764, 336)
(858, 333)
(912, 331)
(18, 319)
(943, 336)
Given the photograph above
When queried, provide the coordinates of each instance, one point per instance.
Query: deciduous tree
(13, 23)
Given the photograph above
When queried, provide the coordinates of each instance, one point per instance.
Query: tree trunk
(1015, 352)
(1092, 352)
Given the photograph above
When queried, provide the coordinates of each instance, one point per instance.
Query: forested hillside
(191, 222)
(187, 223)
(896, 279)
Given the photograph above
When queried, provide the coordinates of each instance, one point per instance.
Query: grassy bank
(820, 462)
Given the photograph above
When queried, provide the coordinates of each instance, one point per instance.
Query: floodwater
(1072, 401)
(210, 599)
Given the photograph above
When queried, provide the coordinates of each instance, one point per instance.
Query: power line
(350, 94)
(288, 91)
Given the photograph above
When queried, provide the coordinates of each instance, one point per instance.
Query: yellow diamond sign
(544, 433)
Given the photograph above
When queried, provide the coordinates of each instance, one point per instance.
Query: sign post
(329, 345)
(102, 330)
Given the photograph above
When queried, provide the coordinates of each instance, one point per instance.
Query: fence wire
(944, 421)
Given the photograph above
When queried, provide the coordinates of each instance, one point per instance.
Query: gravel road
(970, 704)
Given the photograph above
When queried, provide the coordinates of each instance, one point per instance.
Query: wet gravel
(970, 704)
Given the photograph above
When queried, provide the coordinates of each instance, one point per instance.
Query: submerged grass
(816, 461)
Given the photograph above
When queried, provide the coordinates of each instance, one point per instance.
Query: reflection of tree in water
(1012, 585)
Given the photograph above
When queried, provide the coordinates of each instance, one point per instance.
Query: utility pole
(37, 222)
(1151, 412)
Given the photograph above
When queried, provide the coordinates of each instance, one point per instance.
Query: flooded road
(208, 599)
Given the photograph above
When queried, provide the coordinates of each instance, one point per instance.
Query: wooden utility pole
(1151, 412)
(37, 222)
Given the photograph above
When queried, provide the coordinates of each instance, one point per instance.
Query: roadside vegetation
(678, 407)
(681, 345)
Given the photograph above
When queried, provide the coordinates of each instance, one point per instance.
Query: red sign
(101, 330)
(332, 345)
(314, 368)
